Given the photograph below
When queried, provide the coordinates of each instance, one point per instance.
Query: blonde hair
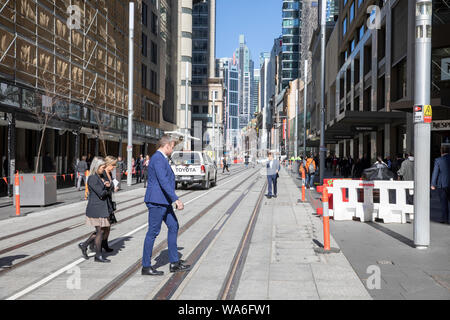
(97, 162)
(110, 161)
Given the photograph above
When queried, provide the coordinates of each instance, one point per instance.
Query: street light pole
(305, 92)
(214, 123)
(186, 118)
(130, 93)
(296, 124)
(322, 89)
(422, 124)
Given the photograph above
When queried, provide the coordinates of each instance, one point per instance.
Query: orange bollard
(17, 192)
(303, 193)
(86, 190)
(326, 221)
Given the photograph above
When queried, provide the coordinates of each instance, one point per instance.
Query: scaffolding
(76, 49)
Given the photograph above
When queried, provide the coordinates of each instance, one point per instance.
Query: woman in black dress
(97, 212)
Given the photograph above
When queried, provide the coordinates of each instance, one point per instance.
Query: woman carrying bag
(111, 164)
(97, 212)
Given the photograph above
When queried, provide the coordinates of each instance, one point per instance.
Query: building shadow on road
(7, 262)
(163, 258)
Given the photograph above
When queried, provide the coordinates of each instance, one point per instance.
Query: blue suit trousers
(156, 215)
(272, 180)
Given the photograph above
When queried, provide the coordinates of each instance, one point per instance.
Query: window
(352, 12)
(154, 82)
(205, 109)
(144, 76)
(360, 2)
(144, 45)
(154, 53)
(154, 24)
(144, 13)
(344, 27)
(361, 32)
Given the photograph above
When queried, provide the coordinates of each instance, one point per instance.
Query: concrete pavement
(406, 273)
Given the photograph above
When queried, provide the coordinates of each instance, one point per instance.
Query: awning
(346, 124)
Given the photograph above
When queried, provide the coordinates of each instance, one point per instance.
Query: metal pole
(130, 93)
(305, 92)
(296, 124)
(186, 118)
(11, 151)
(422, 128)
(214, 124)
(322, 89)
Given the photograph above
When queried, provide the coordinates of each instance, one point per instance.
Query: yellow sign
(427, 114)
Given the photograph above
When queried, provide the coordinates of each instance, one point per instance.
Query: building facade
(291, 27)
(246, 66)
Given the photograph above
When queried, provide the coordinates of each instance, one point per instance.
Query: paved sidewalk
(406, 273)
(281, 262)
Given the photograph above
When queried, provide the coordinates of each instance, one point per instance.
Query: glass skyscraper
(246, 67)
(291, 40)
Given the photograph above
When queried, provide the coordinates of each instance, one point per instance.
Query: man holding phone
(159, 197)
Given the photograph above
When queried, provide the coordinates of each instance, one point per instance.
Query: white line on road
(75, 263)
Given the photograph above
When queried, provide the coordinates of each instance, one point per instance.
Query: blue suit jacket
(161, 182)
(441, 172)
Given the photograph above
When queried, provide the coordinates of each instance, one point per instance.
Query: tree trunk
(36, 168)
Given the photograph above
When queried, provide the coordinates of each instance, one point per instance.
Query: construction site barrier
(366, 209)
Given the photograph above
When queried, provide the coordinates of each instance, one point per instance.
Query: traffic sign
(418, 114)
(428, 114)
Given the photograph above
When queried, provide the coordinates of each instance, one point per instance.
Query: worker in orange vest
(302, 173)
(311, 171)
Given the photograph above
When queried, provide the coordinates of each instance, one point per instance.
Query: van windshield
(185, 158)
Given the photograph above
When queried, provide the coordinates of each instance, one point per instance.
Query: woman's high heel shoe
(105, 246)
(83, 248)
(101, 259)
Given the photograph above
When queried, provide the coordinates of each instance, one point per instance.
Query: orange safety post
(86, 190)
(17, 192)
(326, 220)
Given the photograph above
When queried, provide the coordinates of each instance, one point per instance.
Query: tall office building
(203, 67)
(291, 26)
(245, 65)
(254, 107)
(228, 70)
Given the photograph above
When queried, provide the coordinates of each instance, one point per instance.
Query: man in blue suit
(159, 197)
(440, 181)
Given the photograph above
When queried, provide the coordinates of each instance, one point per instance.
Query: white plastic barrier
(368, 210)
(394, 212)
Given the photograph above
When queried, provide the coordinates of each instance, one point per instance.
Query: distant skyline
(258, 20)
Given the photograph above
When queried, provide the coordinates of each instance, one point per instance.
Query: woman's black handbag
(112, 218)
(114, 205)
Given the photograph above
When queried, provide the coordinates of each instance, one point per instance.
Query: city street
(241, 246)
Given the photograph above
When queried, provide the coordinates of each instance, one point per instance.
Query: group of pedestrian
(139, 169)
(159, 198)
(100, 207)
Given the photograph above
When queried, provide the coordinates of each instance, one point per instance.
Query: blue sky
(258, 20)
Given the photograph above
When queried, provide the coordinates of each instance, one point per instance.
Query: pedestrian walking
(396, 165)
(310, 172)
(303, 173)
(138, 164)
(108, 175)
(159, 197)
(120, 170)
(145, 170)
(81, 169)
(273, 167)
(97, 212)
(406, 173)
(225, 165)
(441, 181)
